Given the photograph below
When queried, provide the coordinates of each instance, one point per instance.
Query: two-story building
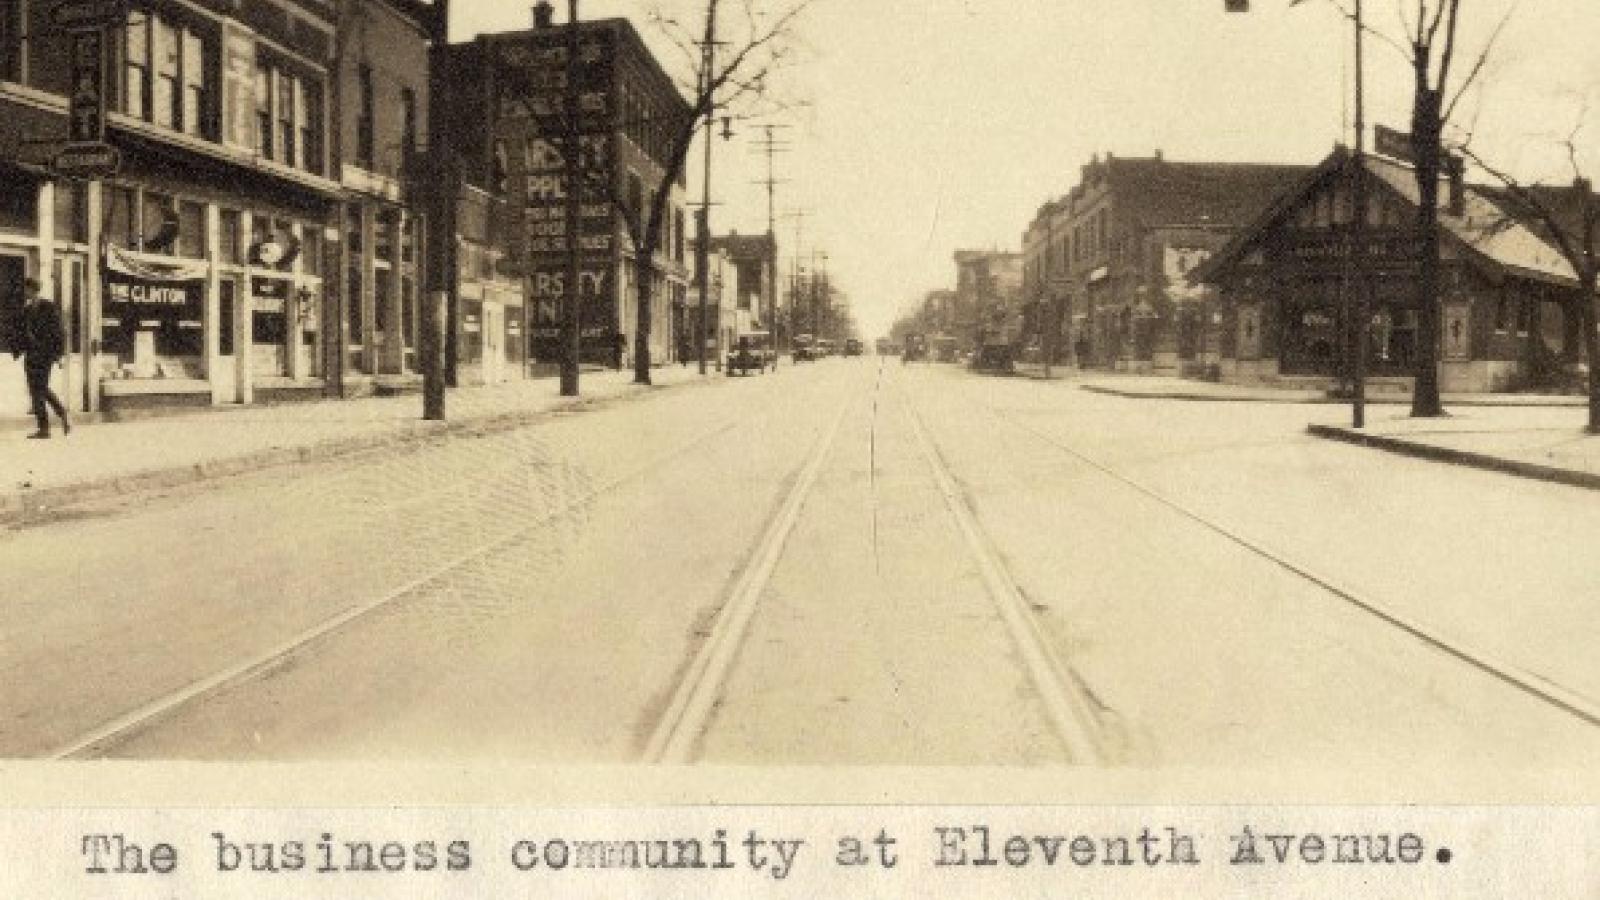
(240, 252)
(1114, 253)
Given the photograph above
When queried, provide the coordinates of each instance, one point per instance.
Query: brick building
(500, 101)
(211, 267)
(1115, 251)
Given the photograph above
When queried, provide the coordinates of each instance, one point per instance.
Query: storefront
(1286, 287)
(173, 293)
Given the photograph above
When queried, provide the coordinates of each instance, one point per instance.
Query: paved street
(850, 561)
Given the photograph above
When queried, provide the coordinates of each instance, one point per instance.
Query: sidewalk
(105, 459)
(1543, 443)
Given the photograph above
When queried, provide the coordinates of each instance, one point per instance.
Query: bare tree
(1431, 38)
(753, 39)
(1568, 216)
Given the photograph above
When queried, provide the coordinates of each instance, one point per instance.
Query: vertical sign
(88, 104)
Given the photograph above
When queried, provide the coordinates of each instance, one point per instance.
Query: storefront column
(244, 311)
(293, 320)
(394, 332)
(369, 322)
(213, 308)
(93, 298)
(47, 278)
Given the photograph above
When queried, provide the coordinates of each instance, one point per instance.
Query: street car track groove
(677, 734)
(86, 745)
(1532, 684)
(1066, 701)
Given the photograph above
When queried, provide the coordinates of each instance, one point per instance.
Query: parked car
(852, 347)
(805, 349)
(751, 351)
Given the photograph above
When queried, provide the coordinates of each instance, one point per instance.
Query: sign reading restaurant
(530, 103)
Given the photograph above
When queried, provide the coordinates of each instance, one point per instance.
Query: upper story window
(365, 114)
(408, 112)
(11, 42)
(168, 73)
(289, 115)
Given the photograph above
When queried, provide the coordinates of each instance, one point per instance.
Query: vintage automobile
(852, 347)
(944, 348)
(916, 348)
(805, 349)
(826, 347)
(751, 351)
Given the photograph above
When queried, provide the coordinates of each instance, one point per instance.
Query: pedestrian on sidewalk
(40, 345)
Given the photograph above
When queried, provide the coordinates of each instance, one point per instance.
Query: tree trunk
(644, 279)
(1426, 128)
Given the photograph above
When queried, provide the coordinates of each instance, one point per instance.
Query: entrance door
(70, 279)
(494, 352)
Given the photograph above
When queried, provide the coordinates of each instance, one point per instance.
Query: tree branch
(1478, 64)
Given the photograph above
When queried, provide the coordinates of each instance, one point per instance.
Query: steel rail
(1066, 703)
(1532, 684)
(88, 744)
(677, 733)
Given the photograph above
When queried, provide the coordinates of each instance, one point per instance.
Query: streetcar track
(86, 744)
(687, 714)
(1068, 705)
(1532, 684)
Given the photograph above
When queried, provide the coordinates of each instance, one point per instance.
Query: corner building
(501, 102)
(210, 269)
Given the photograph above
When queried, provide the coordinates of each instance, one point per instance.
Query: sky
(919, 127)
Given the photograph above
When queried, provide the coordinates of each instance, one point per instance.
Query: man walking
(40, 345)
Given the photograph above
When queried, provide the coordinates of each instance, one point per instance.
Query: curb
(19, 507)
(1574, 403)
(1552, 474)
(1201, 398)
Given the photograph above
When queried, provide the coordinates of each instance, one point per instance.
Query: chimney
(1158, 154)
(543, 14)
(1455, 169)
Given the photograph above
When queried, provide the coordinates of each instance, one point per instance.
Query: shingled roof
(1157, 192)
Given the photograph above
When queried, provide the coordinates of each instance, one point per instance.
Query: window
(136, 66)
(11, 42)
(289, 113)
(311, 125)
(167, 73)
(364, 117)
(194, 85)
(164, 88)
(284, 109)
(264, 110)
(228, 242)
(677, 235)
(191, 230)
(408, 134)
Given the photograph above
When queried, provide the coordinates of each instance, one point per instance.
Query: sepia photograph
(1110, 387)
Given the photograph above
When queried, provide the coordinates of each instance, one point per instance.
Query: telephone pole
(572, 320)
(771, 147)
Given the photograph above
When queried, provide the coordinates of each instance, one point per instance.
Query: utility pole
(1358, 239)
(708, 56)
(798, 216)
(572, 321)
(771, 147)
